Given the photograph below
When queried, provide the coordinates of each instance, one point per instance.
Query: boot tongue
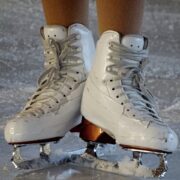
(133, 42)
(54, 32)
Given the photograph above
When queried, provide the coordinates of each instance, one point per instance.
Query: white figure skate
(116, 100)
(54, 109)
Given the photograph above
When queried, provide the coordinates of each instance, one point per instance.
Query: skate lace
(129, 70)
(50, 95)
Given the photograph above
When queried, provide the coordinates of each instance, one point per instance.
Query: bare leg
(66, 12)
(124, 16)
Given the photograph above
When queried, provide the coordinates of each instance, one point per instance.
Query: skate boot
(117, 105)
(54, 109)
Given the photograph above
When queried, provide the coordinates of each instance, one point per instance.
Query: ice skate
(54, 109)
(116, 104)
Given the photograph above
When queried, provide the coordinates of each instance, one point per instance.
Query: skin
(66, 12)
(123, 16)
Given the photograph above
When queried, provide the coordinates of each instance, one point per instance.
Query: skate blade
(126, 167)
(20, 163)
(133, 166)
(50, 154)
(144, 149)
(138, 152)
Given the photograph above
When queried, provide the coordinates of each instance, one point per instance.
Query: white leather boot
(54, 108)
(116, 100)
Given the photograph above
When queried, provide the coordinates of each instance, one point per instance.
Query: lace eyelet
(44, 82)
(35, 96)
(127, 110)
(122, 103)
(27, 108)
(39, 89)
(108, 69)
(78, 36)
(113, 89)
(117, 96)
(70, 88)
(110, 57)
(64, 95)
(110, 45)
(111, 80)
(75, 80)
(77, 72)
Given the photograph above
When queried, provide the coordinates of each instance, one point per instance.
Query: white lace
(49, 95)
(127, 67)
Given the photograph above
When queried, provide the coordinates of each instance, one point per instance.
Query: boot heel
(77, 129)
(91, 132)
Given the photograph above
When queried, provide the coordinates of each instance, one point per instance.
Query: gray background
(21, 62)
